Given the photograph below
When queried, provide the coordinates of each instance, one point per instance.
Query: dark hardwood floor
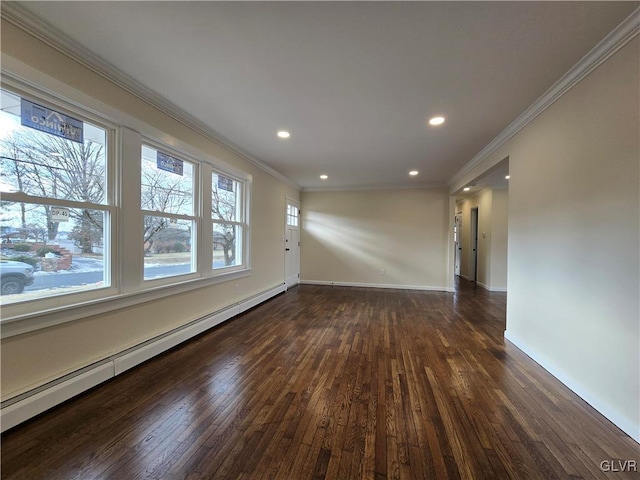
(335, 383)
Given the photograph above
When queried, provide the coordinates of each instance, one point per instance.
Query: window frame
(243, 224)
(195, 217)
(110, 276)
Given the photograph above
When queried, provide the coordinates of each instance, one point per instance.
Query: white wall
(499, 239)
(574, 205)
(349, 236)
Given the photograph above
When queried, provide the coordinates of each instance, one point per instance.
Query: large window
(227, 214)
(83, 226)
(168, 202)
(55, 210)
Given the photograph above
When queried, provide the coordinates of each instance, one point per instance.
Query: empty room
(320, 240)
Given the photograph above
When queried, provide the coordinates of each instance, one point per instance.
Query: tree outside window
(227, 216)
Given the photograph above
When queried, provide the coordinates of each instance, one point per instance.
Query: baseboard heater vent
(27, 405)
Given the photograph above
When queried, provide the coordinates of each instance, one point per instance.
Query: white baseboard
(614, 417)
(375, 285)
(492, 289)
(150, 349)
(37, 403)
(28, 405)
(292, 281)
(261, 297)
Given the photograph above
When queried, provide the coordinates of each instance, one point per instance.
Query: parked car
(14, 276)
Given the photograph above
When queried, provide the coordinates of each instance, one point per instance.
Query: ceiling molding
(359, 188)
(613, 42)
(34, 26)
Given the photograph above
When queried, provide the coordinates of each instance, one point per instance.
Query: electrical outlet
(382, 272)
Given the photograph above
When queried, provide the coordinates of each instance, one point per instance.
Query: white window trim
(125, 144)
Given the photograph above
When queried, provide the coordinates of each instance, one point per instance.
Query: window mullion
(206, 232)
(20, 197)
(227, 222)
(175, 216)
(130, 252)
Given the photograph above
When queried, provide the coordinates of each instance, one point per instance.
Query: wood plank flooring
(333, 383)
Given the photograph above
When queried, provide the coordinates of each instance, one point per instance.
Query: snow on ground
(79, 265)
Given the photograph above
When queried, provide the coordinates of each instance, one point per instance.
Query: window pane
(167, 247)
(167, 183)
(292, 215)
(63, 246)
(47, 165)
(225, 199)
(227, 245)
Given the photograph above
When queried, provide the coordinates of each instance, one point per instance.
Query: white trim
(613, 42)
(492, 289)
(358, 188)
(255, 300)
(626, 425)
(150, 349)
(20, 324)
(376, 285)
(498, 289)
(29, 404)
(33, 405)
(26, 21)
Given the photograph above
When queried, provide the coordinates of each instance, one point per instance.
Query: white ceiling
(354, 82)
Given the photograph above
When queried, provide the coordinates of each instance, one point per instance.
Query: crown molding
(34, 26)
(360, 188)
(614, 41)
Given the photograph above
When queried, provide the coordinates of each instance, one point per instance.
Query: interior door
(292, 244)
(457, 239)
(474, 245)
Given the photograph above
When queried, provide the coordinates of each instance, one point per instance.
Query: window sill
(29, 322)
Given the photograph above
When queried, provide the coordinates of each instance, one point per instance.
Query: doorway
(457, 240)
(292, 243)
(474, 245)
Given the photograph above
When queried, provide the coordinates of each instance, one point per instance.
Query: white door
(457, 239)
(292, 244)
(474, 245)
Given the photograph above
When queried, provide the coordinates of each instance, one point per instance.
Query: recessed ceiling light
(507, 177)
(284, 134)
(466, 189)
(436, 121)
(413, 173)
(324, 177)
